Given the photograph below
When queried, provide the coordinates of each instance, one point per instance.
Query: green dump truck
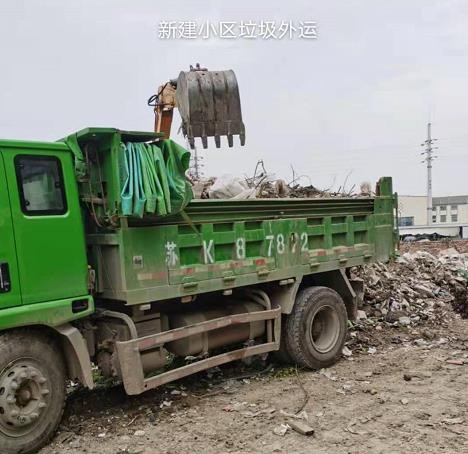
(106, 261)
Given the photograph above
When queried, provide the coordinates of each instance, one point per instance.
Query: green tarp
(80, 164)
(154, 180)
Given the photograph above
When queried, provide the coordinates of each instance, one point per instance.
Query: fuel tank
(204, 342)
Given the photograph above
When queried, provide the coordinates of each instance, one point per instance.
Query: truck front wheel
(32, 390)
(315, 331)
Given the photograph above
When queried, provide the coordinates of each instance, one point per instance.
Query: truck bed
(218, 245)
(217, 210)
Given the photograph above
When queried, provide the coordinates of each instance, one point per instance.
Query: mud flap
(76, 355)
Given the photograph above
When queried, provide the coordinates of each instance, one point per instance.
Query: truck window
(40, 185)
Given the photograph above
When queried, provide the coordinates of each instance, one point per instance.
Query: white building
(445, 210)
(449, 215)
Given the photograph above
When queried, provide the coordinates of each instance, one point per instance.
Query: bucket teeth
(209, 104)
(242, 139)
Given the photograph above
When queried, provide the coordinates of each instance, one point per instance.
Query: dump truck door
(47, 223)
(10, 294)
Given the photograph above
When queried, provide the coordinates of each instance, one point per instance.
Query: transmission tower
(428, 159)
(195, 167)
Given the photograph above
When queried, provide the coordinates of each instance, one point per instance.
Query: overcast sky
(353, 102)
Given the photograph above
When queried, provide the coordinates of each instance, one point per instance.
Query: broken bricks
(413, 288)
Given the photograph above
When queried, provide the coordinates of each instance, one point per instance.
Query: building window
(434, 218)
(406, 221)
(434, 209)
(454, 217)
(40, 184)
(442, 208)
(454, 208)
(443, 218)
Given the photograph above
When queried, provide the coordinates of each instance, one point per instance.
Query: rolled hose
(154, 179)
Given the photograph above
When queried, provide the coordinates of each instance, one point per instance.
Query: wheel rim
(324, 329)
(24, 396)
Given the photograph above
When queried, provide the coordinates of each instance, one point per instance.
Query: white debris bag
(230, 187)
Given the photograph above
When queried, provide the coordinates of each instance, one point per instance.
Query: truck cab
(43, 255)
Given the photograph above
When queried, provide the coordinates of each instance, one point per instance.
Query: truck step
(129, 352)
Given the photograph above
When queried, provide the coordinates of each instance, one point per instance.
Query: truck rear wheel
(32, 391)
(315, 331)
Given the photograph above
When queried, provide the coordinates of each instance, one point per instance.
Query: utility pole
(428, 158)
(195, 163)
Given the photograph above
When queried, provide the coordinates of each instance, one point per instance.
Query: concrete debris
(414, 288)
(301, 427)
(361, 315)
(165, 404)
(421, 343)
(404, 321)
(281, 430)
(328, 374)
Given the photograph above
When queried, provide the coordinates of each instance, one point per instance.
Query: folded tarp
(154, 178)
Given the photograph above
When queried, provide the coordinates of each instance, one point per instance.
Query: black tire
(32, 390)
(282, 355)
(315, 331)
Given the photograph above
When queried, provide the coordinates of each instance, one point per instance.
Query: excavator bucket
(209, 104)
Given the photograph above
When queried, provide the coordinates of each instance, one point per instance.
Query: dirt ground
(409, 396)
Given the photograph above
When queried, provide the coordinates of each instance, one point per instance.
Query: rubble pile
(415, 287)
(264, 185)
(434, 247)
(280, 189)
